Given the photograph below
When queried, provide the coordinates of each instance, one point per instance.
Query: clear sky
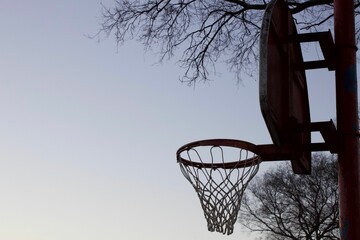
(88, 132)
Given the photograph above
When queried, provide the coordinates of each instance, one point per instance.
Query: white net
(219, 175)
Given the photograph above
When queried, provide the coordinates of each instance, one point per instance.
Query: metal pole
(347, 120)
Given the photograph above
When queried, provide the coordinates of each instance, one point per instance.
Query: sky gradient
(89, 131)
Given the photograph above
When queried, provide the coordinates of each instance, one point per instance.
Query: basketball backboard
(283, 90)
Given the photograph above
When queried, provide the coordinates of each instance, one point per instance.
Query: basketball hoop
(219, 170)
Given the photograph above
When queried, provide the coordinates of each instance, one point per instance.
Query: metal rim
(220, 143)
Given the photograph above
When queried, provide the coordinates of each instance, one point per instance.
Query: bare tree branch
(297, 7)
(207, 32)
(282, 205)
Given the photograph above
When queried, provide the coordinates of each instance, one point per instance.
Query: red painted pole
(347, 120)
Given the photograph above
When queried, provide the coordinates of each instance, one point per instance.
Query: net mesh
(219, 186)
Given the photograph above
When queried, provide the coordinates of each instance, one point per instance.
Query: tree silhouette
(282, 205)
(206, 32)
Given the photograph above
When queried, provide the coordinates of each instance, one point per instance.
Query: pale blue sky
(88, 132)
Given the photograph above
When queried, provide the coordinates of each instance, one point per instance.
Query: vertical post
(347, 120)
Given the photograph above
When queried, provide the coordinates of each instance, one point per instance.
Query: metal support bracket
(328, 132)
(271, 152)
(327, 46)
